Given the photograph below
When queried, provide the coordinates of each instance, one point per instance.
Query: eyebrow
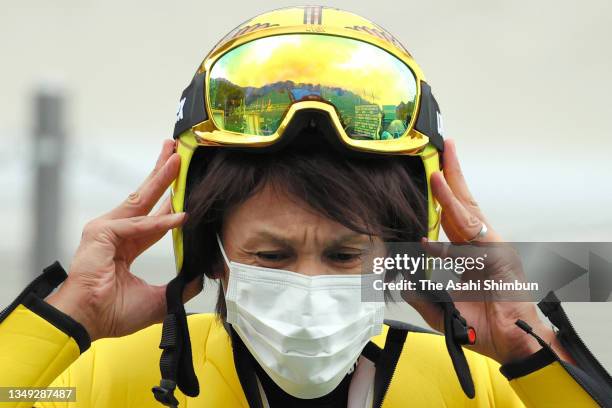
(281, 241)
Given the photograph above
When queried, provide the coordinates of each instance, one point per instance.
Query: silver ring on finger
(481, 234)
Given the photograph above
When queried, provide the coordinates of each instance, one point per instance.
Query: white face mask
(306, 332)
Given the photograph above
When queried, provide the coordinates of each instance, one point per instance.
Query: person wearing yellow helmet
(307, 139)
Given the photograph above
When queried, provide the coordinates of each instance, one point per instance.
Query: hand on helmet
(494, 321)
(100, 292)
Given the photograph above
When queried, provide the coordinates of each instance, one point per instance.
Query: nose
(310, 266)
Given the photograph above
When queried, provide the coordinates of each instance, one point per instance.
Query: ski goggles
(247, 95)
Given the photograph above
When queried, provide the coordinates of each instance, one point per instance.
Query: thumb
(157, 306)
(430, 311)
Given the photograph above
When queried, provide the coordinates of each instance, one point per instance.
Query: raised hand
(100, 292)
(462, 219)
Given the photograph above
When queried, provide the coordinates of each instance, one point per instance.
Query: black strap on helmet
(456, 333)
(429, 119)
(191, 109)
(176, 363)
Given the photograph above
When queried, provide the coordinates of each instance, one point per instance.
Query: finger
(150, 305)
(165, 207)
(159, 312)
(454, 175)
(142, 201)
(166, 152)
(430, 312)
(467, 225)
(449, 229)
(433, 248)
(164, 155)
(456, 180)
(144, 226)
(446, 249)
(143, 243)
(134, 198)
(157, 309)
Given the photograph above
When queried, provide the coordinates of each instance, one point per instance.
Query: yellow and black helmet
(281, 67)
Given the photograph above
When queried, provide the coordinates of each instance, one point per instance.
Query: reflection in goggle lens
(252, 86)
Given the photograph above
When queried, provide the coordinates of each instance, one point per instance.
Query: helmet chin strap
(456, 333)
(176, 362)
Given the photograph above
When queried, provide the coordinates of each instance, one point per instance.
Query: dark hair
(382, 196)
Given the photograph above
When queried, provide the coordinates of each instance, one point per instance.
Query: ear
(219, 269)
(193, 288)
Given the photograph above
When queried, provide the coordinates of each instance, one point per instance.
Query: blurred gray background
(524, 87)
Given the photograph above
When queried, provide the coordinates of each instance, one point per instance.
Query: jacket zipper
(598, 367)
(529, 330)
(382, 402)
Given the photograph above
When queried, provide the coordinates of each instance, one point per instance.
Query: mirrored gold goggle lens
(252, 86)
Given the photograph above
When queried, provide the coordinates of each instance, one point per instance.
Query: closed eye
(273, 256)
(343, 256)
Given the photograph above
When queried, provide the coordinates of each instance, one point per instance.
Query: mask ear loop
(227, 261)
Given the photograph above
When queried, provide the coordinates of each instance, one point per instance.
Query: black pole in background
(48, 145)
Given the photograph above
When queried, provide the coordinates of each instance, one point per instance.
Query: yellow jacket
(40, 347)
